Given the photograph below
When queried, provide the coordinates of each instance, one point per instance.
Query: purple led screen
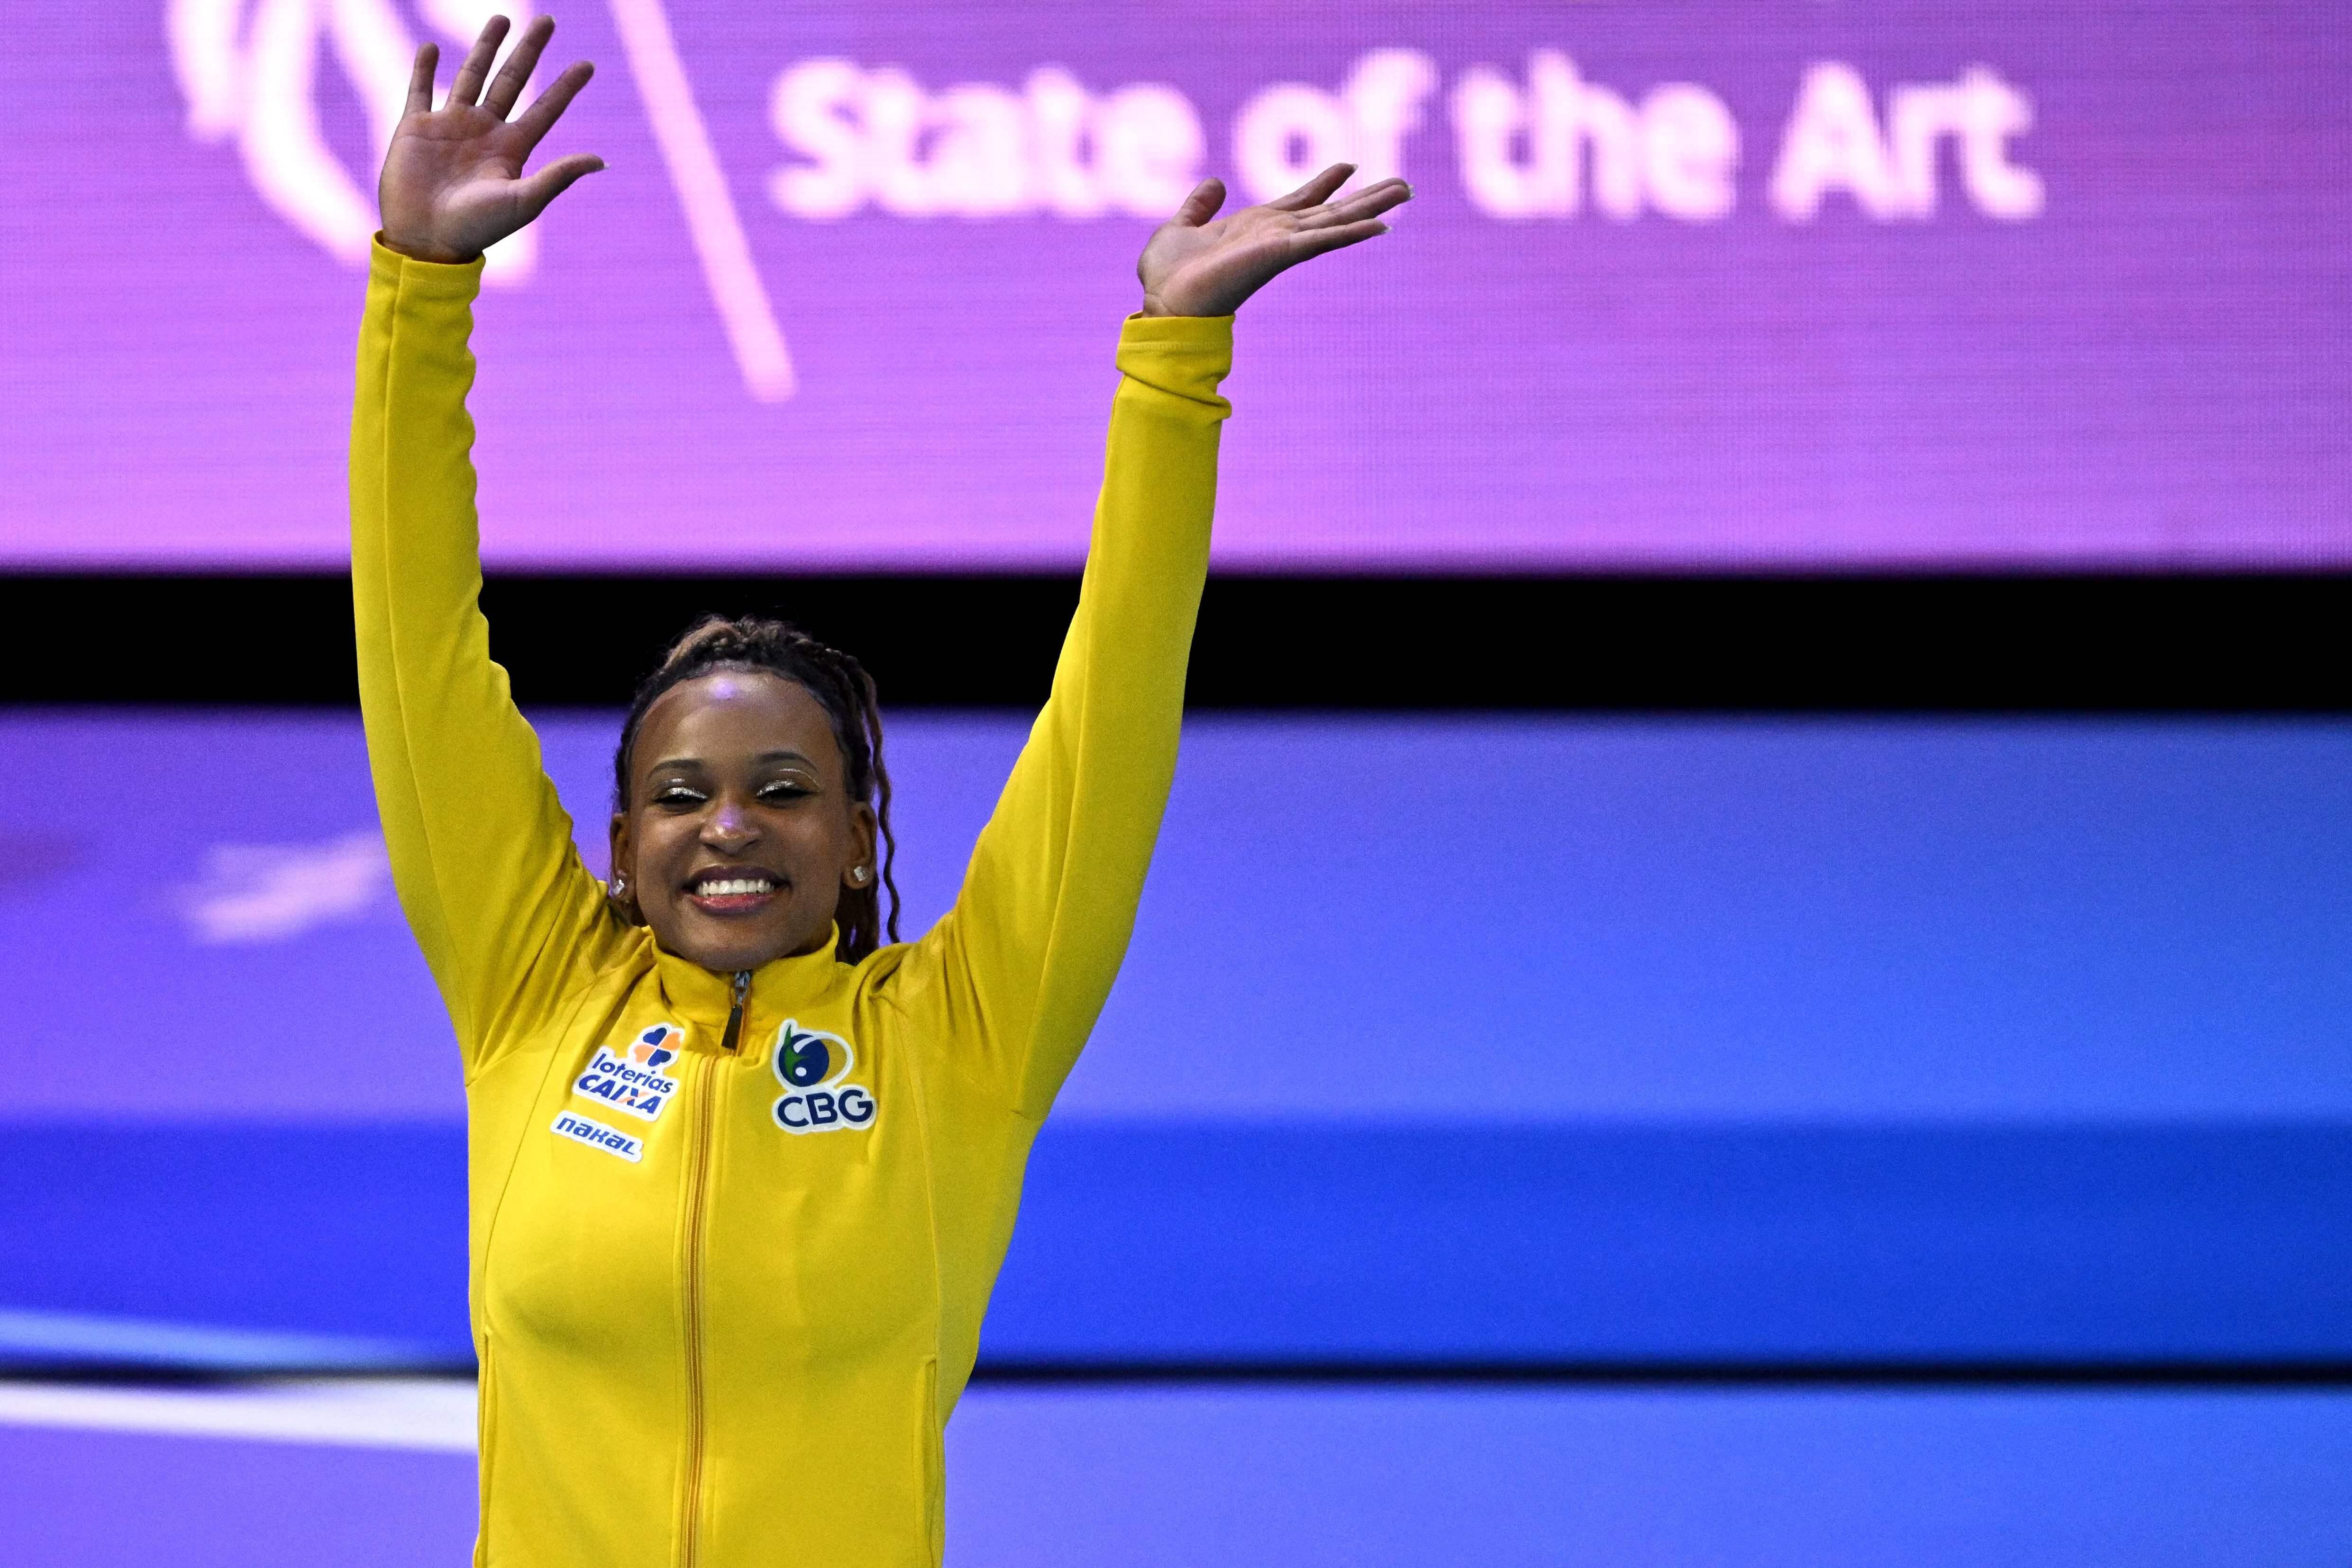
(1812, 282)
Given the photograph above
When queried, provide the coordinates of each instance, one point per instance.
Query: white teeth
(735, 885)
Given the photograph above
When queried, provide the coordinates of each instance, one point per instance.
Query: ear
(863, 835)
(624, 876)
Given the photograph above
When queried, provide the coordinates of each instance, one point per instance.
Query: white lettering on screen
(1549, 144)
(1290, 132)
(1833, 145)
(1532, 152)
(976, 149)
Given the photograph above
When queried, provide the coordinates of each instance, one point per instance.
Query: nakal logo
(811, 1065)
(596, 1135)
(632, 1080)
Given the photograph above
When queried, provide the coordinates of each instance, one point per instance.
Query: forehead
(734, 714)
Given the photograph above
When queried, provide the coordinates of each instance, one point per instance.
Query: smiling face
(741, 833)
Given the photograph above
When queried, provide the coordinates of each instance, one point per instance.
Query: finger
(549, 107)
(1315, 192)
(1373, 200)
(1203, 204)
(521, 62)
(1315, 242)
(1369, 201)
(551, 181)
(420, 81)
(477, 69)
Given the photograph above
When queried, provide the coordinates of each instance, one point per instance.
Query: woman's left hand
(1198, 263)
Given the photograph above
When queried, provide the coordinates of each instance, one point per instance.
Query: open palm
(452, 183)
(1198, 263)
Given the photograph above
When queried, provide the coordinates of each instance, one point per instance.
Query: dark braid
(845, 692)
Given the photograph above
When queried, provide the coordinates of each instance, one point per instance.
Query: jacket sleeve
(1012, 979)
(481, 849)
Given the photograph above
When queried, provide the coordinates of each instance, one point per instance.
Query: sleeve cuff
(1186, 355)
(435, 279)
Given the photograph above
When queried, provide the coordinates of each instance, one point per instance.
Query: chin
(731, 955)
(729, 948)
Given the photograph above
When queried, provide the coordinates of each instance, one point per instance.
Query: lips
(732, 889)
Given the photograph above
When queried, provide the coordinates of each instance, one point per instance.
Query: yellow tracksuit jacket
(724, 1302)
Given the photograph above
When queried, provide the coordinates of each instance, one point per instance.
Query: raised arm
(481, 850)
(1022, 964)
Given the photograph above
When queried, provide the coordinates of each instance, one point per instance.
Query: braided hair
(845, 692)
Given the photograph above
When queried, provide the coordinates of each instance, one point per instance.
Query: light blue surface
(1366, 1478)
(120, 1499)
(1392, 919)
(1374, 1478)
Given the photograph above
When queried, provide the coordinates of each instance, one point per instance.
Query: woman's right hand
(453, 183)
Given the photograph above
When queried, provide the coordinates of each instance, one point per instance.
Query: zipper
(734, 1035)
(698, 1199)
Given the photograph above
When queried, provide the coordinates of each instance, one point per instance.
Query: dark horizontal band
(1686, 1374)
(2219, 644)
(1446, 1374)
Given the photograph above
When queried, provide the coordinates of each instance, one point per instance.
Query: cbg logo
(811, 1065)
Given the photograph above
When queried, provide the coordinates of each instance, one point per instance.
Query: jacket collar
(705, 996)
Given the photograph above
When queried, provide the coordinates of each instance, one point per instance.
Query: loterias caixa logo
(630, 1080)
(811, 1064)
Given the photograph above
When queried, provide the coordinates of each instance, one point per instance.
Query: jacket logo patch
(811, 1065)
(596, 1135)
(631, 1081)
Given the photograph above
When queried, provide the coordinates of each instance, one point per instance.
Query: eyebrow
(786, 755)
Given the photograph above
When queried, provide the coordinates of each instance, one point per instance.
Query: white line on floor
(93, 1338)
(435, 1414)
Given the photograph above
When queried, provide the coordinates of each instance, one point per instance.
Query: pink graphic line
(735, 286)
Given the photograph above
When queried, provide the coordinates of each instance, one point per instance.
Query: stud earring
(858, 874)
(620, 887)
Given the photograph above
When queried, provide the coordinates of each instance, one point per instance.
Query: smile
(731, 892)
(722, 889)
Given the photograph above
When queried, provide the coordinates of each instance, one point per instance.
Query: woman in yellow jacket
(740, 1175)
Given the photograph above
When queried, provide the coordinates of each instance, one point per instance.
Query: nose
(728, 827)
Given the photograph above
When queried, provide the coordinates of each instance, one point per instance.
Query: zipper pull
(734, 1035)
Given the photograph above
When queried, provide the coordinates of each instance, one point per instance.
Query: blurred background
(1748, 964)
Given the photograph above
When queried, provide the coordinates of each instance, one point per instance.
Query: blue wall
(1447, 1040)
